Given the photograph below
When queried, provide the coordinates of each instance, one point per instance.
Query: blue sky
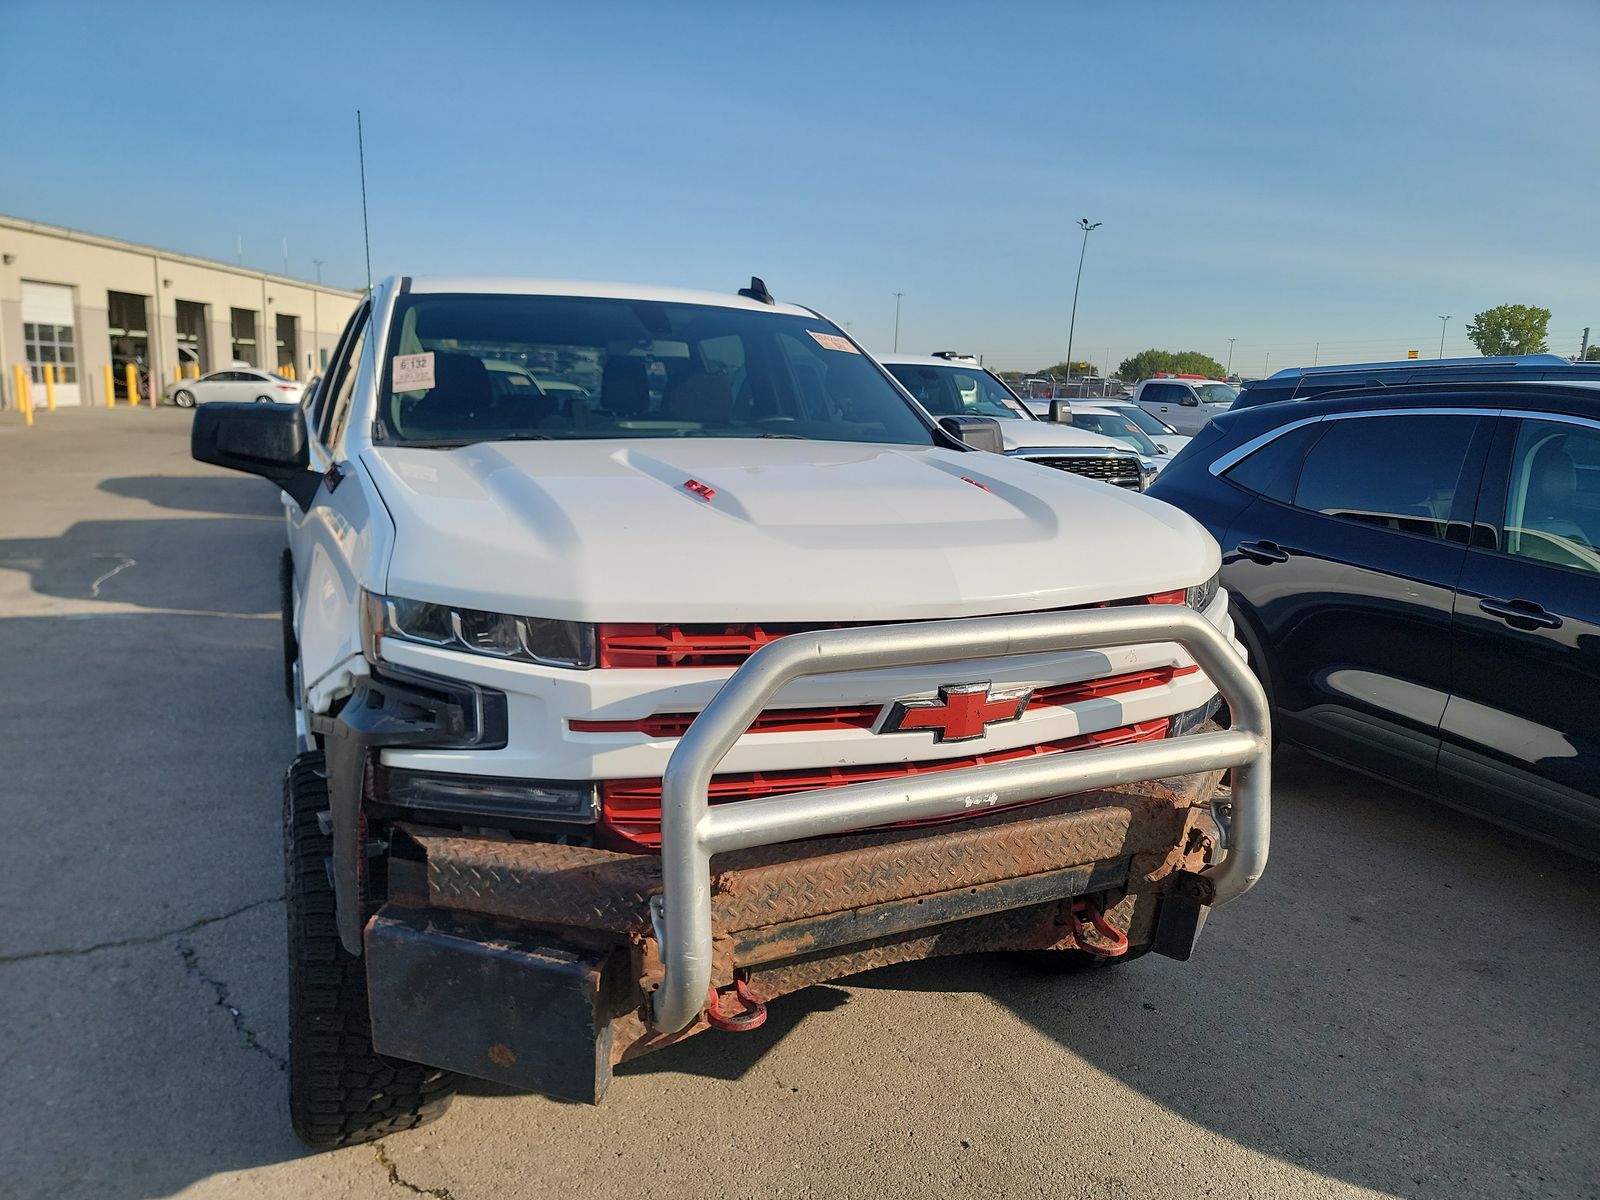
(1315, 181)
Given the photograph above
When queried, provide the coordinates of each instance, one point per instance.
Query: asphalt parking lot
(1405, 1006)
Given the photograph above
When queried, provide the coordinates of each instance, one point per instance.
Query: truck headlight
(494, 635)
(1201, 595)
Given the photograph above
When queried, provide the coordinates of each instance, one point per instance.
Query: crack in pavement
(144, 939)
(388, 1164)
(191, 964)
(124, 563)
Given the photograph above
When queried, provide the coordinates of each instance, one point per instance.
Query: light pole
(1072, 326)
(1229, 372)
(1444, 324)
(897, 296)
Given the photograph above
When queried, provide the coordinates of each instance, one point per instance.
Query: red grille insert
(669, 645)
(806, 720)
(631, 808)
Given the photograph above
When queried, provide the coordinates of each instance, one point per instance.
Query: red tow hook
(753, 1016)
(1116, 942)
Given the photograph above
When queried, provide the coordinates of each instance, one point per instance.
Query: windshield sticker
(832, 341)
(412, 372)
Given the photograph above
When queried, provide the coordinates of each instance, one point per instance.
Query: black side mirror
(1061, 412)
(981, 433)
(268, 440)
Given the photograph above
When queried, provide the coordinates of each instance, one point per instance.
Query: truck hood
(1040, 435)
(775, 530)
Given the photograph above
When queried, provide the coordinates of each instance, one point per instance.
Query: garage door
(50, 337)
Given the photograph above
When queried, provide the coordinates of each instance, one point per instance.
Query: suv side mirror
(981, 433)
(1061, 412)
(268, 440)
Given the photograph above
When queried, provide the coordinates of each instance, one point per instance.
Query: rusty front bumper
(783, 917)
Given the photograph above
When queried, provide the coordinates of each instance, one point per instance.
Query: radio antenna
(366, 235)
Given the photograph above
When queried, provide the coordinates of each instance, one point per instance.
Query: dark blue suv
(1305, 383)
(1416, 575)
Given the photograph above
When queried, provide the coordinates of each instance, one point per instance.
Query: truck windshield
(473, 368)
(959, 391)
(1115, 425)
(1149, 422)
(1216, 393)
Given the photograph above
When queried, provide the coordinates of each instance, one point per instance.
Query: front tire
(263, 399)
(341, 1091)
(183, 398)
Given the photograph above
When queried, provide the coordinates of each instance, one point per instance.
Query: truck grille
(865, 716)
(671, 645)
(630, 809)
(1118, 470)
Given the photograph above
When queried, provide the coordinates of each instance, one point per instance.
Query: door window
(1401, 473)
(344, 389)
(1553, 497)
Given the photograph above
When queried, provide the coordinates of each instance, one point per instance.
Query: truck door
(330, 540)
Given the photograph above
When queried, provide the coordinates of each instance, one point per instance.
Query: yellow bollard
(130, 378)
(111, 389)
(177, 373)
(24, 394)
(50, 385)
(194, 370)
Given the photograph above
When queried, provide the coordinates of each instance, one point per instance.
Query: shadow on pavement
(1429, 999)
(229, 496)
(156, 563)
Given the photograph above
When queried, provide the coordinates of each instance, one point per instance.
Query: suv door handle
(1263, 551)
(1520, 610)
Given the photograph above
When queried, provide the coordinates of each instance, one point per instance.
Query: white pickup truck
(1185, 402)
(955, 385)
(628, 707)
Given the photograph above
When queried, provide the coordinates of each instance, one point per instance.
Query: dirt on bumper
(789, 916)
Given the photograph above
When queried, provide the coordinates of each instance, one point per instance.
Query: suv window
(631, 369)
(1274, 470)
(1400, 473)
(1553, 501)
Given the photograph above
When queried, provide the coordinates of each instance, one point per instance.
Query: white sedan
(235, 383)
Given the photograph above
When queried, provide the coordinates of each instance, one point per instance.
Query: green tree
(1592, 354)
(1177, 362)
(1510, 329)
(1079, 367)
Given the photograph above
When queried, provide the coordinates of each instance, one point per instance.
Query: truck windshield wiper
(525, 435)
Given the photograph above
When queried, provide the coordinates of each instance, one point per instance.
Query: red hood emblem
(963, 712)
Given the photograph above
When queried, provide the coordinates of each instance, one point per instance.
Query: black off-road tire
(291, 648)
(341, 1092)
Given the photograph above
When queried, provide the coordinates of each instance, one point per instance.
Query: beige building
(80, 302)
